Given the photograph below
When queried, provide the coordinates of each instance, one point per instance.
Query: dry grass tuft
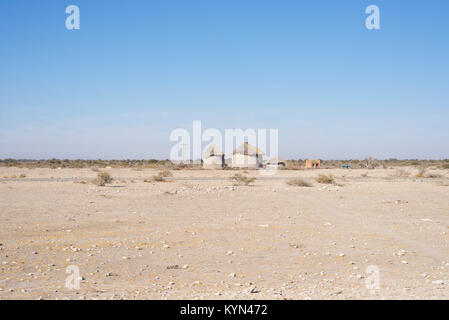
(325, 179)
(23, 175)
(240, 179)
(298, 182)
(103, 178)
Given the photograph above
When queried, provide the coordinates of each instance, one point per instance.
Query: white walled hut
(247, 156)
(213, 158)
(276, 163)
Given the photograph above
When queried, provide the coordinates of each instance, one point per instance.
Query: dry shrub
(326, 179)
(434, 176)
(240, 179)
(298, 182)
(370, 163)
(165, 173)
(23, 175)
(103, 178)
(421, 173)
(158, 178)
(180, 166)
(445, 166)
(400, 173)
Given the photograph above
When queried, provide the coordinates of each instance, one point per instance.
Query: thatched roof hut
(248, 150)
(247, 156)
(212, 150)
(213, 158)
(276, 162)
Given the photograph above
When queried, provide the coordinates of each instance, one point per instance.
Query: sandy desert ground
(200, 237)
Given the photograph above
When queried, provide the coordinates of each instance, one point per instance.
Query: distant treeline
(368, 163)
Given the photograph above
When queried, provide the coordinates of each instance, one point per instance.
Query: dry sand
(266, 241)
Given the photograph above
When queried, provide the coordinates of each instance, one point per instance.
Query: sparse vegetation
(400, 173)
(160, 177)
(96, 165)
(103, 178)
(370, 163)
(421, 173)
(434, 176)
(241, 179)
(298, 182)
(325, 179)
(165, 173)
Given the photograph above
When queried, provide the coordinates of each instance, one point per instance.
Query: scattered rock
(173, 267)
(253, 289)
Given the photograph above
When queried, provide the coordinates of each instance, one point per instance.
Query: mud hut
(276, 163)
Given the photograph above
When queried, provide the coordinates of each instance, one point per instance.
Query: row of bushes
(368, 163)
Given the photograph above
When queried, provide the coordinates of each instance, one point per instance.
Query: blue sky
(136, 70)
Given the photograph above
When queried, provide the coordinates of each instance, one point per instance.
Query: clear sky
(136, 70)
